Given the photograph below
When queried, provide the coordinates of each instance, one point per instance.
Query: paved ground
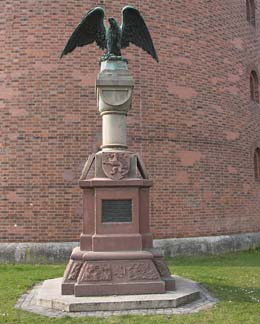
(34, 300)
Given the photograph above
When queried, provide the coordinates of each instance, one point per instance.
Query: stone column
(114, 92)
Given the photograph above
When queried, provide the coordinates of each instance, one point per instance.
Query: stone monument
(116, 254)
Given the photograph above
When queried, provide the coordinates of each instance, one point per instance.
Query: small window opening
(250, 11)
(254, 89)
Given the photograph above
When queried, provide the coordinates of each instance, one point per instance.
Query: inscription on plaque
(114, 211)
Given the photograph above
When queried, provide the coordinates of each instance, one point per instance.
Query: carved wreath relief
(115, 164)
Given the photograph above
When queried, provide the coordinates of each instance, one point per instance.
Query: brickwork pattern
(192, 119)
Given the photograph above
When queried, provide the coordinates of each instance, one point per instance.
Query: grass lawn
(233, 278)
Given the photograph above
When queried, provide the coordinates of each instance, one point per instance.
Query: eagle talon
(112, 57)
(104, 58)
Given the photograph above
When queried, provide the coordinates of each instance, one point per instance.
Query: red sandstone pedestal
(116, 253)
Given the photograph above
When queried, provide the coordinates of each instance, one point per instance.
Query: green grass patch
(233, 278)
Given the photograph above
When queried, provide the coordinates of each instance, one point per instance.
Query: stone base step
(49, 296)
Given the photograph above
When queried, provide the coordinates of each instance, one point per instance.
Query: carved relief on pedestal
(119, 271)
(142, 271)
(162, 267)
(96, 272)
(114, 271)
(72, 270)
(116, 164)
(132, 271)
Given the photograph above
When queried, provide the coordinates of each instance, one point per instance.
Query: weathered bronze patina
(92, 29)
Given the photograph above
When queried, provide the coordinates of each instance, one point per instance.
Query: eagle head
(112, 22)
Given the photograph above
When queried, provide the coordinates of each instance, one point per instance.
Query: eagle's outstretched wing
(134, 30)
(90, 29)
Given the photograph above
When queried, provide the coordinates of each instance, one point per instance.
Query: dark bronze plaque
(117, 211)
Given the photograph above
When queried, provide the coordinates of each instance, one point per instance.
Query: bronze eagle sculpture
(92, 29)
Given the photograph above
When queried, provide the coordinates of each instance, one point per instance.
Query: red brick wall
(192, 119)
